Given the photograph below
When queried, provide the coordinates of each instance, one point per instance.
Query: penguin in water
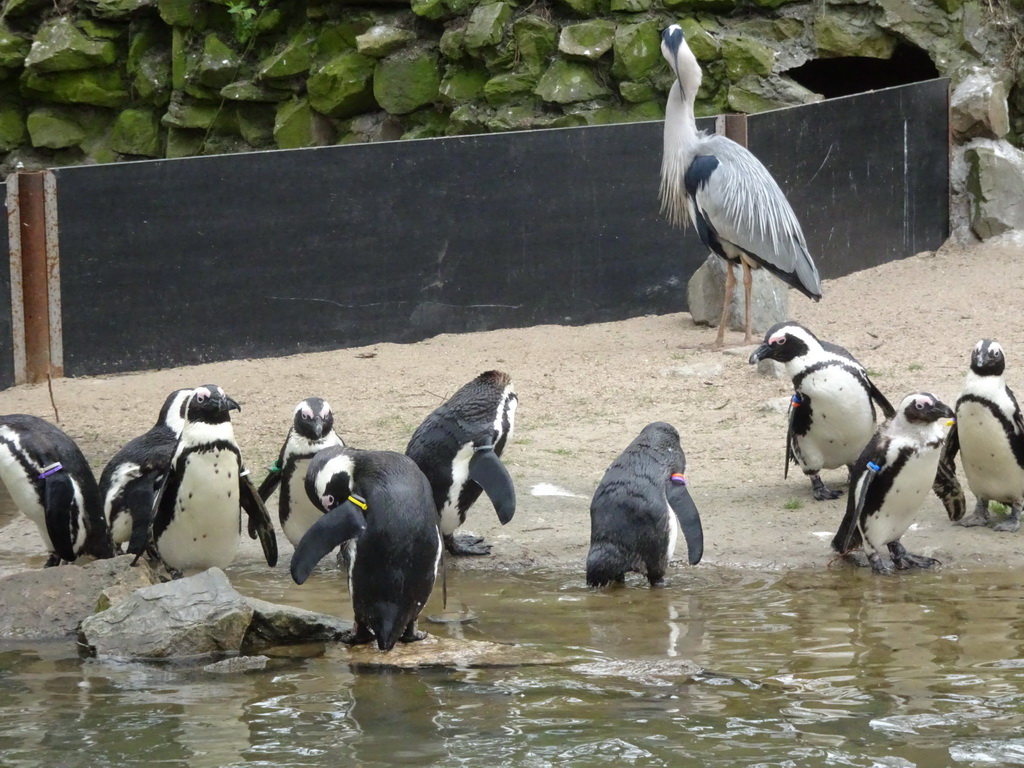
(832, 411)
(382, 502)
(52, 484)
(890, 480)
(639, 508)
(989, 436)
(458, 447)
(130, 481)
(312, 430)
(196, 519)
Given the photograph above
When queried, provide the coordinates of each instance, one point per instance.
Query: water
(809, 668)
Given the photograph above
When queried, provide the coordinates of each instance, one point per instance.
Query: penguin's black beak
(760, 354)
(318, 427)
(225, 403)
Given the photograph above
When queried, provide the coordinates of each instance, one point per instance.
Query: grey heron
(736, 206)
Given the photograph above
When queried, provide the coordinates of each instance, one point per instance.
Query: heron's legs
(748, 281)
(730, 287)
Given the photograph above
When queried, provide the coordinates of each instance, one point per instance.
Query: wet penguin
(130, 481)
(312, 430)
(52, 484)
(458, 448)
(197, 518)
(989, 436)
(890, 480)
(638, 509)
(832, 411)
(382, 502)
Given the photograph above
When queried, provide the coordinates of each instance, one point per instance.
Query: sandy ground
(585, 393)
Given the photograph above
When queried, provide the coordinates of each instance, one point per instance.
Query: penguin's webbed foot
(1012, 523)
(904, 560)
(412, 634)
(52, 561)
(879, 564)
(821, 491)
(466, 545)
(980, 516)
(358, 635)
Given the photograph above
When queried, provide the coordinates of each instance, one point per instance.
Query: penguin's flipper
(794, 403)
(341, 524)
(689, 520)
(140, 500)
(58, 496)
(848, 537)
(259, 519)
(946, 485)
(271, 481)
(486, 469)
(887, 410)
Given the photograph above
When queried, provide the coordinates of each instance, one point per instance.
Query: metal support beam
(732, 127)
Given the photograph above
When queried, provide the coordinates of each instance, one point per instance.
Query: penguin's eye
(328, 501)
(919, 405)
(778, 341)
(305, 416)
(200, 398)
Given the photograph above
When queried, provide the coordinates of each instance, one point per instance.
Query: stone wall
(107, 80)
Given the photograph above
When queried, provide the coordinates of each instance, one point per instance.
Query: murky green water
(810, 668)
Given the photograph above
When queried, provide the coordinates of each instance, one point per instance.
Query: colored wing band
(358, 501)
(51, 469)
(873, 467)
(678, 478)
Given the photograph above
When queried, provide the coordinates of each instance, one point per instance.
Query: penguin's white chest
(301, 512)
(903, 501)
(22, 488)
(205, 527)
(989, 463)
(121, 523)
(450, 517)
(841, 422)
(673, 531)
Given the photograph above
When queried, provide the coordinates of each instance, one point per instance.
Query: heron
(738, 209)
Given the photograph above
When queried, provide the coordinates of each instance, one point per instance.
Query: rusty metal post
(733, 127)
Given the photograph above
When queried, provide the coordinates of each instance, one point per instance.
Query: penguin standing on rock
(52, 484)
(832, 412)
(639, 508)
(382, 502)
(890, 480)
(312, 430)
(197, 519)
(130, 481)
(458, 447)
(989, 436)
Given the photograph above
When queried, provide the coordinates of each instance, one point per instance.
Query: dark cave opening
(847, 75)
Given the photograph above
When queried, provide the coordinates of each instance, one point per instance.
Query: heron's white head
(682, 61)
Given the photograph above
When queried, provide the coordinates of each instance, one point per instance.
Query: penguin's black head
(784, 342)
(210, 405)
(987, 358)
(329, 479)
(924, 408)
(172, 414)
(313, 419)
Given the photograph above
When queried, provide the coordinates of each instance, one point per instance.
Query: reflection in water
(811, 668)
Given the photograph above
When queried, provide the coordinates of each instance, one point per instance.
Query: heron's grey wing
(745, 206)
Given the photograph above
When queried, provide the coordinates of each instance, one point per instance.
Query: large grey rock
(274, 624)
(49, 603)
(706, 291)
(995, 182)
(978, 107)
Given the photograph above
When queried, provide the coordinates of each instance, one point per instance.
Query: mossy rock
(631, 6)
(566, 82)
(637, 50)
(462, 84)
(149, 62)
(343, 86)
(850, 34)
(295, 58)
(440, 10)
(188, 114)
(98, 87)
(588, 40)
(219, 64)
(115, 9)
(744, 56)
(718, 7)
(952, 6)
(405, 82)
(54, 128)
(184, 142)
(137, 132)
(183, 13)
(486, 26)
(506, 88)
(256, 124)
(513, 117)
(426, 124)
(247, 90)
(638, 92)
(297, 124)
(452, 42)
(13, 48)
(466, 119)
(13, 131)
(382, 40)
(536, 39)
(702, 44)
(586, 9)
(13, 9)
(60, 46)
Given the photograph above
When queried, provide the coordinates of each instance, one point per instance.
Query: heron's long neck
(679, 147)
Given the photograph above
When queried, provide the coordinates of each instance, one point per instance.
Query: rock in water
(447, 652)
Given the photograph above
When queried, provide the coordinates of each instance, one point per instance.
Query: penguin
(196, 518)
(52, 484)
(129, 482)
(832, 411)
(312, 430)
(889, 481)
(384, 503)
(639, 508)
(458, 447)
(989, 436)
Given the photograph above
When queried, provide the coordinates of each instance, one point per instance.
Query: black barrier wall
(6, 334)
(173, 262)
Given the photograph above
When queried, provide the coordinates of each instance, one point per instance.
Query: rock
(565, 82)
(406, 81)
(49, 603)
(297, 125)
(995, 180)
(183, 13)
(441, 9)
(295, 58)
(451, 43)
(194, 616)
(137, 132)
(256, 124)
(184, 142)
(536, 39)
(851, 32)
(238, 664)
(13, 48)
(149, 62)
(631, 6)
(587, 8)
(706, 290)
(60, 46)
(978, 107)
(98, 87)
(246, 90)
(502, 89)
(54, 128)
(444, 652)
(637, 92)
(219, 64)
(13, 130)
(182, 113)
(702, 44)
(380, 40)
(462, 84)
(637, 48)
(759, 94)
(16, 8)
(588, 40)
(274, 624)
(744, 56)
(116, 9)
(486, 25)
(343, 86)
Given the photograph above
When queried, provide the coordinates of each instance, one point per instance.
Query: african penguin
(889, 481)
(51, 482)
(197, 519)
(382, 501)
(312, 430)
(129, 482)
(989, 435)
(638, 509)
(458, 448)
(832, 411)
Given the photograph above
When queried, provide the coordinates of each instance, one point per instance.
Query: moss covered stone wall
(106, 80)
